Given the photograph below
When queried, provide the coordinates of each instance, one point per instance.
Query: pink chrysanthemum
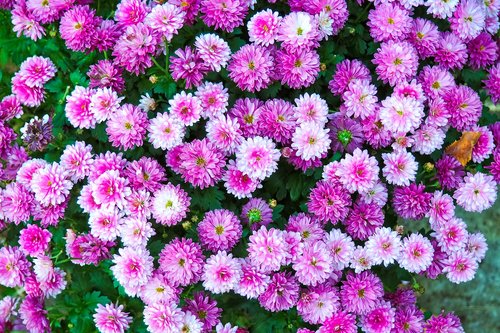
(308, 228)
(34, 240)
(310, 141)
(358, 172)
(449, 172)
(311, 108)
(165, 20)
(313, 264)
(298, 31)
(298, 69)
(341, 248)
(130, 12)
(396, 62)
(360, 293)
(238, 183)
(281, 294)
(146, 173)
(468, 19)
(224, 14)
(492, 83)
(441, 9)
(163, 317)
(452, 235)
(389, 22)
(77, 160)
(219, 230)
(214, 99)
(159, 289)
(428, 139)
(105, 223)
(170, 204)
(484, 146)
(441, 210)
(257, 157)
(103, 103)
(400, 167)
(16, 203)
(110, 189)
(384, 246)
(182, 261)
(205, 309)
(247, 111)
(132, 268)
(277, 120)
(186, 108)
(78, 28)
(201, 163)
(14, 267)
(51, 185)
(360, 99)
(136, 231)
(451, 52)
(10, 107)
(214, 51)
(363, 220)
(224, 132)
(165, 131)
(126, 128)
(460, 267)
(267, 249)
(263, 27)
(28, 169)
(424, 36)
(24, 23)
(464, 106)
(36, 71)
(188, 65)
(401, 114)
(78, 108)
(483, 51)
(346, 72)
(417, 253)
(252, 283)
(329, 201)
(380, 319)
(443, 323)
(318, 303)
(476, 246)
(477, 193)
(33, 314)
(411, 202)
(111, 318)
(221, 273)
(251, 67)
(105, 74)
(340, 321)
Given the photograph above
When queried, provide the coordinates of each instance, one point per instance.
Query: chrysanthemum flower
(205, 309)
(408, 319)
(424, 36)
(24, 23)
(267, 249)
(451, 52)
(133, 266)
(451, 235)
(363, 220)
(36, 71)
(201, 163)
(346, 133)
(170, 204)
(384, 246)
(33, 314)
(389, 22)
(308, 228)
(281, 294)
(14, 267)
(310, 141)
(468, 19)
(111, 318)
(360, 99)
(163, 317)
(311, 108)
(251, 67)
(341, 248)
(460, 267)
(400, 167)
(449, 172)
(297, 69)
(214, 99)
(219, 230)
(247, 111)
(257, 157)
(51, 185)
(483, 51)
(238, 183)
(214, 51)
(329, 201)
(136, 231)
(341, 321)
(360, 293)
(16, 202)
(105, 74)
(477, 193)
(34, 240)
(110, 189)
(188, 65)
(146, 173)
(443, 322)
(476, 246)
(126, 128)
(277, 120)
(256, 213)
(380, 319)
(411, 202)
(221, 273)
(358, 172)
(182, 261)
(165, 20)
(313, 264)
(298, 31)
(416, 254)
(316, 304)
(252, 283)
(346, 72)
(105, 223)
(441, 9)
(78, 108)
(224, 132)
(78, 28)
(190, 323)
(159, 289)
(263, 27)
(441, 210)
(224, 14)
(396, 62)
(103, 103)
(130, 12)
(165, 131)
(361, 260)
(492, 83)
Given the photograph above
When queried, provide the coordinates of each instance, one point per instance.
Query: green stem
(63, 261)
(159, 66)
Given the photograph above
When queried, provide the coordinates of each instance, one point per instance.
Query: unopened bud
(194, 218)
(272, 203)
(186, 225)
(428, 167)
(400, 229)
(153, 79)
(322, 67)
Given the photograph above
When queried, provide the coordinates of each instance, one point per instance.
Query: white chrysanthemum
(165, 131)
(257, 157)
(310, 141)
(384, 246)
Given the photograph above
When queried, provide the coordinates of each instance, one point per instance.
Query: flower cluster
(211, 184)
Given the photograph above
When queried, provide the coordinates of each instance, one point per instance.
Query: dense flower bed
(242, 165)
